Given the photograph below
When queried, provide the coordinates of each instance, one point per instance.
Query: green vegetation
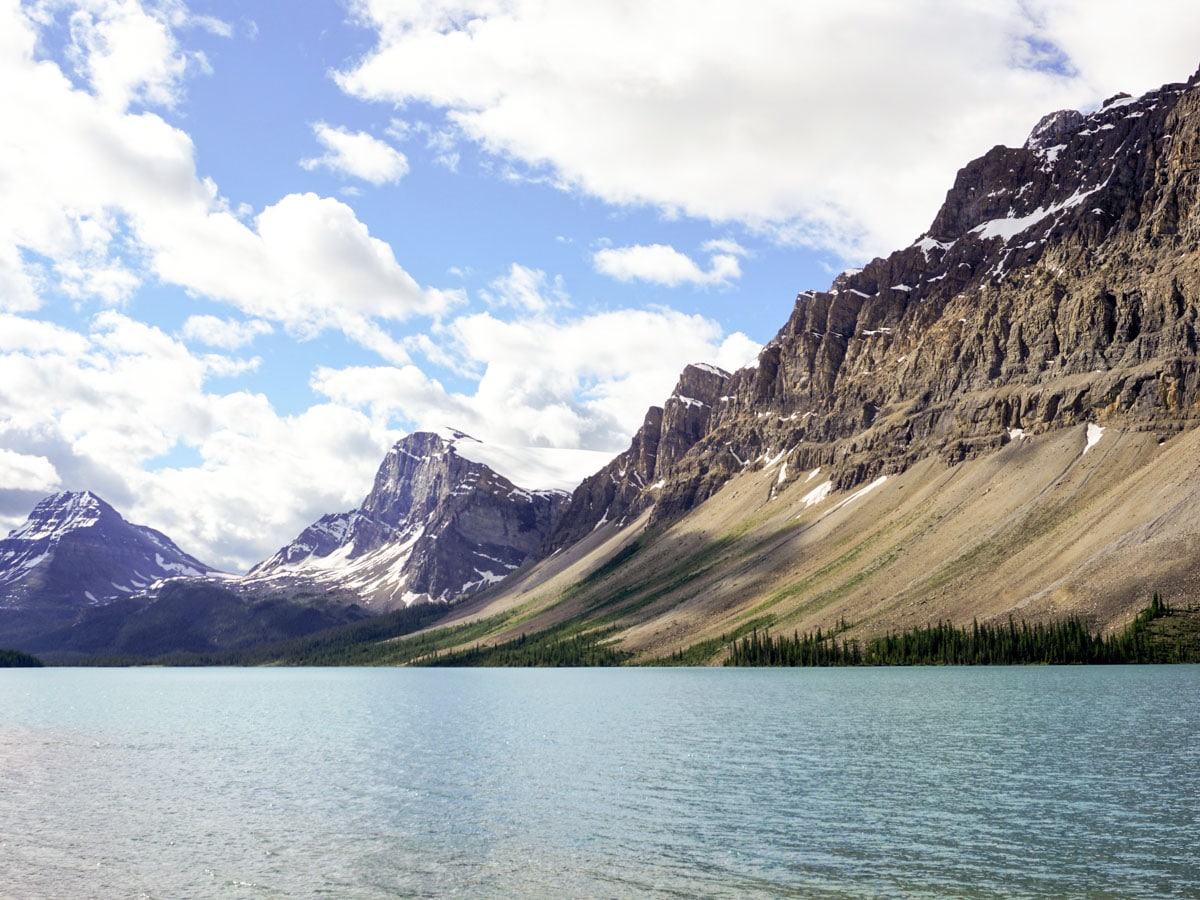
(15, 659)
(555, 647)
(1058, 643)
(411, 636)
(704, 652)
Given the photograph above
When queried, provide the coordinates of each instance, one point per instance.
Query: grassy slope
(1038, 530)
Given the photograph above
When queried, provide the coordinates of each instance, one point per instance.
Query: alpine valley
(996, 421)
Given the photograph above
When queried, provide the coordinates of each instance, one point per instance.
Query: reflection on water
(600, 783)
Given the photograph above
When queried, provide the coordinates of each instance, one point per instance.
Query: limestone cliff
(1058, 284)
(631, 482)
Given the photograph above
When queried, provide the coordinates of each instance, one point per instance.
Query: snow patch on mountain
(76, 550)
(60, 514)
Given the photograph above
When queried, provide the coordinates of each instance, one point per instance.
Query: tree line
(15, 659)
(1065, 642)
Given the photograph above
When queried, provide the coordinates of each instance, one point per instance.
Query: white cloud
(358, 154)
(835, 125)
(660, 264)
(24, 335)
(579, 384)
(127, 51)
(310, 264)
(229, 334)
(99, 200)
(1118, 46)
(20, 471)
(525, 289)
(98, 411)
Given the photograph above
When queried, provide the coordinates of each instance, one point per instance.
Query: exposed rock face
(1058, 284)
(630, 483)
(435, 526)
(74, 552)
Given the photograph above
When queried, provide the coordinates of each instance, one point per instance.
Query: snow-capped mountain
(438, 524)
(75, 551)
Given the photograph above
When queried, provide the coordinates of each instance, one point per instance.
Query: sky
(246, 246)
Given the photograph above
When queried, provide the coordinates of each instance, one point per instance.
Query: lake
(929, 782)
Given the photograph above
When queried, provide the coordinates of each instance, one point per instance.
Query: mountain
(997, 419)
(631, 482)
(437, 525)
(74, 552)
(1057, 285)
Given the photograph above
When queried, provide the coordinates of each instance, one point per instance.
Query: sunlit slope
(1042, 528)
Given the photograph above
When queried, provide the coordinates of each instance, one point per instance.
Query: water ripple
(594, 783)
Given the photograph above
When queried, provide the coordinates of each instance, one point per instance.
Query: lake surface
(1035, 782)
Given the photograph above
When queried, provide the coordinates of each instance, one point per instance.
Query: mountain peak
(1053, 127)
(440, 522)
(75, 550)
(63, 512)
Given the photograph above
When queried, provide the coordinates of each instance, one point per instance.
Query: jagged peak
(60, 513)
(707, 368)
(1053, 127)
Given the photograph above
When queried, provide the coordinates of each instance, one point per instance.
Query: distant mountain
(437, 525)
(75, 552)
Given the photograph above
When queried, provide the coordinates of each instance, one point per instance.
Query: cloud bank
(828, 125)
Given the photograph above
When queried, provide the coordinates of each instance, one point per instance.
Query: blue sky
(246, 246)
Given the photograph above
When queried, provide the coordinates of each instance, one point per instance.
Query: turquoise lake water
(934, 782)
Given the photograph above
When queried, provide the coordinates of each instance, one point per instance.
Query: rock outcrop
(631, 482)
(1058, 284)
(436, 525)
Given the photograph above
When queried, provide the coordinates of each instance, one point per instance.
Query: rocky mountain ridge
(1058, 284)
(436, 526)
(76, 552)
(629, 483)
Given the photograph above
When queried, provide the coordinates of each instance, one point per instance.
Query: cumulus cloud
(661, 264)
(100, 199)
(309, 263)
(229, 334)
(579, 384)
(756, 114)
(22, 471)
(107, 409)
(357, 154)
